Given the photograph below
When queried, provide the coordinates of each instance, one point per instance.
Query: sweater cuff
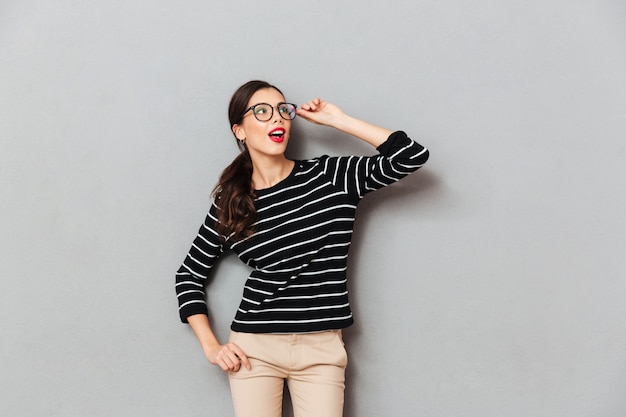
(192, 309)
(386, 147)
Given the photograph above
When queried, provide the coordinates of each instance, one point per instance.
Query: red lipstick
(277, 135)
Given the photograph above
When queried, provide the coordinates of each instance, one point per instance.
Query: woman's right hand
(229, 357)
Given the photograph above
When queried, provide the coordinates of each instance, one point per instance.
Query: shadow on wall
(412, 191)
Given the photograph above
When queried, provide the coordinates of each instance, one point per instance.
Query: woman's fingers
(312, 111)
(312, 105)
(321, 112)
(230, 357)
(243, 359)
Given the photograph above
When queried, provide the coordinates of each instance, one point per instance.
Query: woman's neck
(268, 172)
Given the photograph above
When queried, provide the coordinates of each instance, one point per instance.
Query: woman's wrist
(372, 134)
(342, 122)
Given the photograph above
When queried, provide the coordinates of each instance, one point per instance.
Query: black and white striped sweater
(298, 253)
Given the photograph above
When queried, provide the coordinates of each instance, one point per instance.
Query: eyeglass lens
(264, 112)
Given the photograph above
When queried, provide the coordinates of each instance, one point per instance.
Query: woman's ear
(239, 132)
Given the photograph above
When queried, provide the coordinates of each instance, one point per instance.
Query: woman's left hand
(321, 112)
(324, 113)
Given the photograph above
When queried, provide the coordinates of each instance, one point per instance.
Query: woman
(291, 222)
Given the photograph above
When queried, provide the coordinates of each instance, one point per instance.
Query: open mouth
(277, 135)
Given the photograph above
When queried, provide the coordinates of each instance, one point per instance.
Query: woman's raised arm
(324, 113)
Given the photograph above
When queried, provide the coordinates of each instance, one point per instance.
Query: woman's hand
(327, 114)
(321, 112)
(229, 357)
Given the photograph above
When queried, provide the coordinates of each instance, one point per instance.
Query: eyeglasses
(264, 112)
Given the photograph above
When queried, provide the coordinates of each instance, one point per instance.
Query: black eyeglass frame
(272, 113)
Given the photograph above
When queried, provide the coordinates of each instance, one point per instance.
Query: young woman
(291, 222)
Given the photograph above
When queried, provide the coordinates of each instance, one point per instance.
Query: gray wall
(491, 283)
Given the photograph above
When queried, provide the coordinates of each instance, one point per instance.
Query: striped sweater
(298, 252)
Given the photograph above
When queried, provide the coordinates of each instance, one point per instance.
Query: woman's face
(264, 138)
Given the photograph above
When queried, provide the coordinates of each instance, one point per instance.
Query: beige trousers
(312, 364)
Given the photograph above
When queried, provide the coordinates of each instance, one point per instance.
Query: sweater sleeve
(397, 157)
(192, 275)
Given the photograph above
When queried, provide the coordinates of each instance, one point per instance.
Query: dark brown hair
(234, 193)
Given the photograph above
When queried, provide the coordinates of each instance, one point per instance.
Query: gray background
(491, 283)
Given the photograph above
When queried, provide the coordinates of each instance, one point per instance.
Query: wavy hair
(234, 194)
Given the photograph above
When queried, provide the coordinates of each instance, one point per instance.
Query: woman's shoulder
(316, 164)
(305, 164)
(323, 165)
